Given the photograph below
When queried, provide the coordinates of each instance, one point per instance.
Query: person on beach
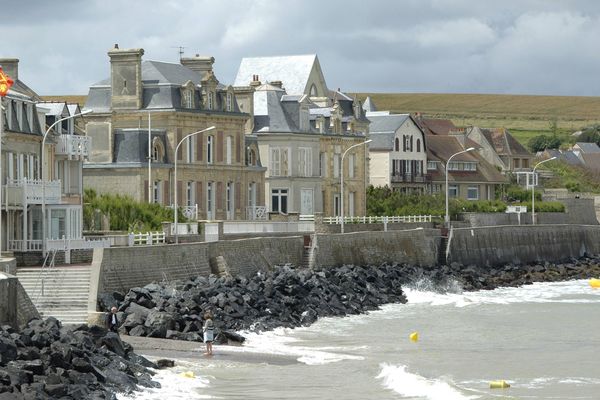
(112, 322)
(208, 330)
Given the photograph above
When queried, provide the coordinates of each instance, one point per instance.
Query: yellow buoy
(499, 385)
(187, 374)
(414, 336)
(595, 283)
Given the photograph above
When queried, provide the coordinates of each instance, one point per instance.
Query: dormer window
(158, 150)
(313, 90)
(187, 100)
(229, 102)
(210, 101)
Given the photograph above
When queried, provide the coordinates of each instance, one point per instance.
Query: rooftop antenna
(180, 50)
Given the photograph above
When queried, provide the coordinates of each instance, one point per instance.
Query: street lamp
(342, 179)
(447, 219)
(533, 189)
(175, 183)
(42, 175)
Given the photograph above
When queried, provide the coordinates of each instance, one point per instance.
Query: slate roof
(270, 115)
(55, 108)
(292, 71)
(588, 147)
(387, 123)
(504, 143)
(440, 148)
(131, 145)
(592, 161)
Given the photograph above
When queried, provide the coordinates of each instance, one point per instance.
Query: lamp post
(342, 180)
(42, 175)
(533, 189)
(447, 219)
(175, 183)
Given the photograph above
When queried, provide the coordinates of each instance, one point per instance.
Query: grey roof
(292, 71)
(131, 145)
(171, 73)
(382, 141)
(387, 123)
(570, 158)
(55, 108)
(588, 147)
(369, 105)
(269, 113)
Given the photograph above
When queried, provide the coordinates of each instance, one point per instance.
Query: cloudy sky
(437, 46)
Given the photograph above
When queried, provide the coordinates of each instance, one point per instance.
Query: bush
(516, 193)
(543, 142)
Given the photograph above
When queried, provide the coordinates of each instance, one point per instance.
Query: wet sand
(155, 348)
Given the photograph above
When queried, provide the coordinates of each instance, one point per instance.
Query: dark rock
(113, 342)
(164, 363)
(8, 350)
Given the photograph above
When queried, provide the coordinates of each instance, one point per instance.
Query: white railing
(76, 244)
(378, 220)
(211, 232)
(25, 245)
(256, 213)
(306, 217)
(31, 191)
(249, 227)
(74, 146)
(190, 212)
(147, 238)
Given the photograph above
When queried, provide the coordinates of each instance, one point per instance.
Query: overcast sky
(437, 46)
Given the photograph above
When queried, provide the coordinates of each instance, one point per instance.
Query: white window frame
(229, 200)
(229, 149)
(190, 145)
(351, 165)
(473, 188)
(211, 100)
(323, 165)
(191, 193)
(210, 200)
(453, 189)
(305, 161)
(336, 165)
(229, 102)
(280, 194)
(210, 149)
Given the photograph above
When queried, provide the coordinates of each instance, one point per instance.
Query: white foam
(172, 383)
(279, 342)
(398, 379)
(570, 292)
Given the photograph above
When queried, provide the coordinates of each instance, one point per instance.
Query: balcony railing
(24, 245)
(32, 191)
(410, 178)
(256, 213)
(74, 146)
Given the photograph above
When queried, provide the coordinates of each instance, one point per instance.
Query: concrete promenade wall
(16, 308)
(522, 244)
(418, 247)
(121, 268)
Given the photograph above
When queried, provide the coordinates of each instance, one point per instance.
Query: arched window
(158, 151)
(397, 145)
(418, 145)
(313, 90)
(251, 157)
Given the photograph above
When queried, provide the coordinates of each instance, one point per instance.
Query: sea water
(543, 339)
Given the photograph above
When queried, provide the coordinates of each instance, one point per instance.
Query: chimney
(200, 64)
(255, 82)
(278, 84)
(10, 66)
(126, 78)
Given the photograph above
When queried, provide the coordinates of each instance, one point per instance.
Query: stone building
(300, 113)
(26, 186)
(144, 110)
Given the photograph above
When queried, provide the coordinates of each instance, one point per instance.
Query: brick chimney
(255, 81)
(200, 64)
(278, 84)
(10, 66)
(126, 78)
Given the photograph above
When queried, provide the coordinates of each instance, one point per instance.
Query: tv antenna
(180, 50)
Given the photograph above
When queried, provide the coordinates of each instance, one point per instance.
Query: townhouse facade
(145, 110)
(30, 189)
(317, 127)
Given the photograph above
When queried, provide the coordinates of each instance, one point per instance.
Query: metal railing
(415, 178)
(147, 238)
(256, 213)
(376, 220)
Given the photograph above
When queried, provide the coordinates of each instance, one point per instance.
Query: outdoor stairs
(306, 257)
(65, 291)
(442, 251)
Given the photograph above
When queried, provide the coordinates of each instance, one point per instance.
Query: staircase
(442, 250)
(60, 292)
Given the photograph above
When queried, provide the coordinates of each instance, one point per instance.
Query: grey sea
(542, 339)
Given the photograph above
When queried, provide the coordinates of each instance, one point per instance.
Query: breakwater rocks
(291, 297)
(284, 297)
(46, 361)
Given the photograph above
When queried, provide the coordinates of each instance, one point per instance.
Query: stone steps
(65, 294)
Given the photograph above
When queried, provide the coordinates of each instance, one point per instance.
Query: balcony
(410, 178)
(74, 146)
(31, 191)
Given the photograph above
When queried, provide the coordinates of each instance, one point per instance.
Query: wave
(279, 342)
(398, 379)
(570, 292)
(172, 383)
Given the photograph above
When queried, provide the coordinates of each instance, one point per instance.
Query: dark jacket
(109, 322)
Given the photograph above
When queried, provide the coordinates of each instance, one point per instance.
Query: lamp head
(470, 149)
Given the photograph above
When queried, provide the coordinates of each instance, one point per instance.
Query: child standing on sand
(208, 330)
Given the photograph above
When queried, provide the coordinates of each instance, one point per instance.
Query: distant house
(501, 149)
(470, 176)
(435, 126)
(585, 147)
(398, 153)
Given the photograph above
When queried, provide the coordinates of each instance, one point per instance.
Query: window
(453, 191)
(279, 200)
(397, 144)
(191, 193)
(210, 200)
(229, 102)
(323, 165)
(313, 90)
(336, 165)
(525, 163)
(462, 166)
(351, 165)
(190, 145)
(229, 206)
(418, 145)
(251, 157)
(431, 165)
(229, 149)
(188, 99)
(336, 204)
(210, 100)
(252, 194)
(157, 150)
(473, 193)
(351, 196)
(305, 161)
(279, 161)
(157, 192)
(210, 149)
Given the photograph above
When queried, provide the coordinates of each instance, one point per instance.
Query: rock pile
(284, 297)
(288, 297)
(46, 361)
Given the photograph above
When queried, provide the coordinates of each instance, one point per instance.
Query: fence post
(130, 239)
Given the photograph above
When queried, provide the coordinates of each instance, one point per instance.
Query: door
(306, 202)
